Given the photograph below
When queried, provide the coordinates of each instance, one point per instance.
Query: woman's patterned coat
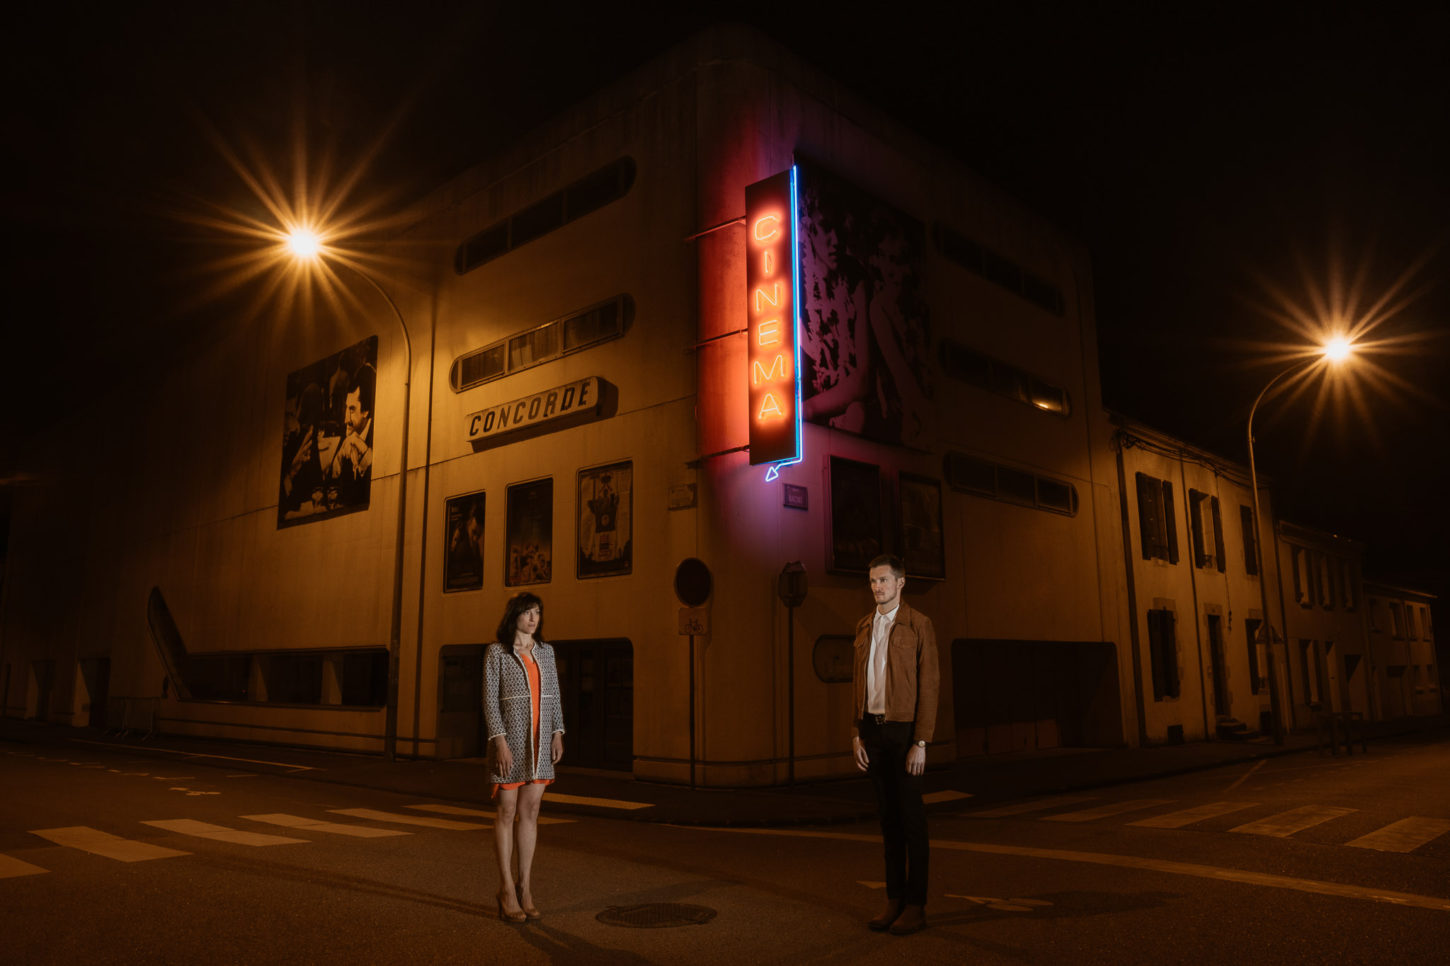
(508, 710)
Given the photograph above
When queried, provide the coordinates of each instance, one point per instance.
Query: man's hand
(859, 747)
(916, 760)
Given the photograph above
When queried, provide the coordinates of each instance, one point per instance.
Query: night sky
(1220, 163)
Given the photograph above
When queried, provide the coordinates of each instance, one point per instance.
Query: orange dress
(532, 670)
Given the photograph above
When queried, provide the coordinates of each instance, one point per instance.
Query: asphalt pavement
(962, 784)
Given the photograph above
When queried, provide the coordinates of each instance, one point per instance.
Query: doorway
(1221, 700)
(596, 684)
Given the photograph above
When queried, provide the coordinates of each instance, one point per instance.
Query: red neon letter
(770, 233)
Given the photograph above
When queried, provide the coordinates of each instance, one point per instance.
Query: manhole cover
(656, 915)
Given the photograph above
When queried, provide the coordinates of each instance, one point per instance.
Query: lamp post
(306, 245)
(1334, 351)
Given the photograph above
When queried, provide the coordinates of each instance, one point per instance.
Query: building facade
(719, 321)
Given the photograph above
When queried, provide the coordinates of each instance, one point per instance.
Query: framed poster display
(856, 525)
(463, 535)
(922, 547)
(605, 520)
(529, 533)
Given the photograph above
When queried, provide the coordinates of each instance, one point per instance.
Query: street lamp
(307, 245)
(1335, 350)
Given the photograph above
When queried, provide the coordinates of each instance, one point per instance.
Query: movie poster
(327, 436)
(529, 533)
(865, 326)
(463, 528)
(606, 498)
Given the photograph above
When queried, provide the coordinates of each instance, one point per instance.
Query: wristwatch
(920, 743)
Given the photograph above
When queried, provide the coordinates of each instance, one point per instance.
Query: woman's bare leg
(527, 835)
(504, 844)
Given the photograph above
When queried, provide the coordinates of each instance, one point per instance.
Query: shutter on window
(1149, 520)
(1218, 536)
(1170, 524)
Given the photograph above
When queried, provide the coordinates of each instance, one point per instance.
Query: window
(997, 268)
(1325, 568)
(1397, 621)
(1311, 664)
(1163, 652)
(588, 194)
(1347, 595)
(1252, 629)
(1009, 485)
(1207, 526)
(543, 343)
(1303, 578)
(1156, 524)
(994, 375)
(1410, 623)
(1251, 548)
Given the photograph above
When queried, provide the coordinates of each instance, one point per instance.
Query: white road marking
(1406, 835)
(220, 833)
(597, 802)
(197, 754)
(1246, 775)
(945, 795)
(1265, 879)
(1188, 816)
(334, 828)
(1108, 810)
(871, 885)
(1287, 823)
(484, 813)
(105, 844)
(374, 815)
(11, 867)
(1036, 805)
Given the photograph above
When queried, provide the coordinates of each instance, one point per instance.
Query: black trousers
(898, 799)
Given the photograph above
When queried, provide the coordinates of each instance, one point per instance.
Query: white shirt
(876, 663)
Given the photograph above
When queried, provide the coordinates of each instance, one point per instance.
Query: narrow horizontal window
(543, 343)
(997, 268)
(979, 477)
(981, 370)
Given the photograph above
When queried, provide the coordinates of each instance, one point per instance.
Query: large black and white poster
(327, 436)
(865, 327)
(606, 504)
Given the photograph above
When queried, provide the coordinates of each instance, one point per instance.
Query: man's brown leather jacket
(912, 679)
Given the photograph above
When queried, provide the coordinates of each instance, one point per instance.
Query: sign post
(693, 583)
(791, 588)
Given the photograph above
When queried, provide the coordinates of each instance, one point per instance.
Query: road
(114, 856)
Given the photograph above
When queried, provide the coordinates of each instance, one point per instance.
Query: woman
(521, 704)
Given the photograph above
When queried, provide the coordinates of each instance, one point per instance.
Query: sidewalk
(964, 784)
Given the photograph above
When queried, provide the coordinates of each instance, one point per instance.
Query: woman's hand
(558, 746)
(503, 759)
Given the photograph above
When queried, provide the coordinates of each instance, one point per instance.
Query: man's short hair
(364, 383)
(889, 560)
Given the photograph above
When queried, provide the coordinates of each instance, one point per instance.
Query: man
(895, 683)
(352, 464)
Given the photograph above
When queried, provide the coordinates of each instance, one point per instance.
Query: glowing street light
(1335, 350)
(307, 245)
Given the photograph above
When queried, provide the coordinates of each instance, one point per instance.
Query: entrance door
(596, 681)
(1220, 664)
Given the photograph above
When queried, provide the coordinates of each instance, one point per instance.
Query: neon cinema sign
(772, 275)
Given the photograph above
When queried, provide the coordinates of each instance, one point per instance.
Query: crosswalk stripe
(1406, 835)
(105, 844)
(220, 833)
(1036, 805)
(1108, 810)
(484, 813)
(374, 815)
(12, 867)
(597, 802)
(316, 825)
(945, 795)
(1188, 816)
(1295, 820)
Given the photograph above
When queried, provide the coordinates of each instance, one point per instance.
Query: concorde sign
(571, 399)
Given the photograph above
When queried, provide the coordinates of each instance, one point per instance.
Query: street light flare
(1338, 348)
(304, 243)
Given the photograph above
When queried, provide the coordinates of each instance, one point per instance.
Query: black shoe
(883, 922)
(912, 919)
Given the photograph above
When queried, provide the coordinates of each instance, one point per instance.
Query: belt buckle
(879, 719)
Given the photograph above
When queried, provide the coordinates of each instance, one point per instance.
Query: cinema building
(681, 362)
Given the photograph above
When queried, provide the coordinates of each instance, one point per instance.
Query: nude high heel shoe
(530, 912)
(506, 916)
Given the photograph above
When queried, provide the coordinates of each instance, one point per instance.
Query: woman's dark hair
(517, 604)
